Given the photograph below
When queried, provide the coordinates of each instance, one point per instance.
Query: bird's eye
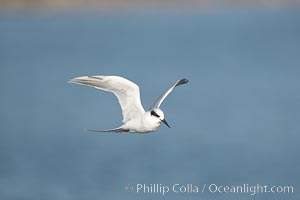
(154, 114)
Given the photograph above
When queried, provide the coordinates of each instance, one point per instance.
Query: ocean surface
(236, 123)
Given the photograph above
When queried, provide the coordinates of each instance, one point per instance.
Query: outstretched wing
(127, 92)
(159, 101)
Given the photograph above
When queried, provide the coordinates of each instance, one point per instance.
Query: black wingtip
(182, 81)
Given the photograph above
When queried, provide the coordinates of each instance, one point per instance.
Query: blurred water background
(236, 122)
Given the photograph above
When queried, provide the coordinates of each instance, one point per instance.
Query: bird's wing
(127, 92)
(159, 101)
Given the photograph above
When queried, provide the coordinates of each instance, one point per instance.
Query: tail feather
(116, 130)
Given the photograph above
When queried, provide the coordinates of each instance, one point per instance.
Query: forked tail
(116, 130)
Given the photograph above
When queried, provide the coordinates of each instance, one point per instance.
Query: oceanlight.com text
(163, 189)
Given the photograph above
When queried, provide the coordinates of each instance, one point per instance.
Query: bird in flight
(135, 118)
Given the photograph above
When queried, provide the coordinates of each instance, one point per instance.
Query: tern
(135, 118)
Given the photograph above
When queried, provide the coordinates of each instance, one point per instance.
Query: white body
(142, 124)
(135, 119)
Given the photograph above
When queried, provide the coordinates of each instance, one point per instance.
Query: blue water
(236, 122)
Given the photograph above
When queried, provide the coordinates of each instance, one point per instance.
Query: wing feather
(127, 92)
(159, 101)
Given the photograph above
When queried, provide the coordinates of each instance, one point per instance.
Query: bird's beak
(165, 122)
